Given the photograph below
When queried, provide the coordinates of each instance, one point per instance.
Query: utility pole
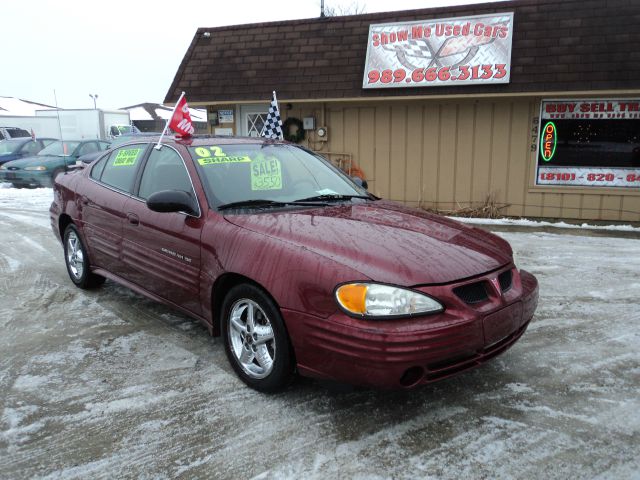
(95, 97)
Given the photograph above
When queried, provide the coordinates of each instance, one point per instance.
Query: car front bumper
(410, 352)
(28, 178)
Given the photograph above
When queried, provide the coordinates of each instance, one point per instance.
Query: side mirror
(360, 182)
(172, 201)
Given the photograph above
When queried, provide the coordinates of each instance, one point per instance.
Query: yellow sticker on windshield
(206, 152)
(266, 175)
(219, 160)
(126, 158)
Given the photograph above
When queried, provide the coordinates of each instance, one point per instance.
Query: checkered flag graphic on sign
(273, 125)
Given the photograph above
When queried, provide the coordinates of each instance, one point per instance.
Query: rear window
(17, 132)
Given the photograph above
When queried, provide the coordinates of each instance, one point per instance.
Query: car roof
(197, 140)
(77, 140)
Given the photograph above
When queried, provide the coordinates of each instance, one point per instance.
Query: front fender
(295, 277)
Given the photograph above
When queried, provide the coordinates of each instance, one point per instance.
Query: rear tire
(77, 260)
(256, 340)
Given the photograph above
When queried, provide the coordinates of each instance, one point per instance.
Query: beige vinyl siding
(449, 154)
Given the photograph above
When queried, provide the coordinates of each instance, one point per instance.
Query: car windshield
(270, 172)
(59, 148)
(7, 147)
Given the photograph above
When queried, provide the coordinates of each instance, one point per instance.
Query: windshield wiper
(263, 203)
(334, 197)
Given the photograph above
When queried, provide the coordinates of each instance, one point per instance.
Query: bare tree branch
(354, 8)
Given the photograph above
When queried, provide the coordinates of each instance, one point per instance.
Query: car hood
(386, 242)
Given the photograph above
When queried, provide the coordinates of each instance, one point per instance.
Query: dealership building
(531, 107)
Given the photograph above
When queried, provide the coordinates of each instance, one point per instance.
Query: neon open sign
(548, 141)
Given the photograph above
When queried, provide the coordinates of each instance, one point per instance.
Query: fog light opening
(411, 376)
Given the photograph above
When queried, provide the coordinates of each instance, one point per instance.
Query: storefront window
(589, 143)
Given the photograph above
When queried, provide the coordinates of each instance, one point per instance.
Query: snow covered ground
(106, 384)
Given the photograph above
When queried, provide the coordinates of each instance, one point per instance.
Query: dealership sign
(428, 53)
(591, 109)
(589, 143)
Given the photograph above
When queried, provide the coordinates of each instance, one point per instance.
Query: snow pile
(523, 222)
(24, 198)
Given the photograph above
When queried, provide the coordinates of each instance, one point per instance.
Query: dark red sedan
(292, 262)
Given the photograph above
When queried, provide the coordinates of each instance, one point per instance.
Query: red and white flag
(181, 120)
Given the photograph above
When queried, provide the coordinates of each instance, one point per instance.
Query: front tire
(256, 341)
(77, 260)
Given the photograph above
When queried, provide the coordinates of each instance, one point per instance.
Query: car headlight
(40, 168)
(384, 301)
(2, 167)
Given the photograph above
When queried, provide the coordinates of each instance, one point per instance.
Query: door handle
(133, 219)
(84, 200)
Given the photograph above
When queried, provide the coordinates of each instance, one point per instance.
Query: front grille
(505, 279)
(472, 293)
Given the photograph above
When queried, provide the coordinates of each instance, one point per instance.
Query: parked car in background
(15, 148)
(127, 137)
(40, 170)
(298, 268)
(13, 132)
(119, 130)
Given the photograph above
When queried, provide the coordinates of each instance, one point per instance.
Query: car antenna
(58, 114)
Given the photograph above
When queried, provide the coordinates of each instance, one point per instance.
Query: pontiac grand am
(292, 262)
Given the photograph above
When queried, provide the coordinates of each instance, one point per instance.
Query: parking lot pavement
(107, 384)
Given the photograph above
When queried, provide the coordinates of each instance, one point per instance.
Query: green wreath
(298, 134)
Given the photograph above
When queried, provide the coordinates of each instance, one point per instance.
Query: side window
(164, 170)
(103, 145)
(96, 170)
(31, 148)
(120, 167)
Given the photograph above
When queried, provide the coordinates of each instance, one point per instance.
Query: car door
(102, 203)
(161, 251)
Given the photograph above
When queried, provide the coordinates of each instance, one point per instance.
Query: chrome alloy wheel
(251, 338)
(75, 255)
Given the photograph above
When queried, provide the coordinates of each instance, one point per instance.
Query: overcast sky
(127, 52)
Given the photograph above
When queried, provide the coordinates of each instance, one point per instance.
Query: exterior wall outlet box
(322, 134)
(309, 123)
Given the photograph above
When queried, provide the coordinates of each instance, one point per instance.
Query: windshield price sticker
(206, 152)
(213, 155)
(221, 160)
(266, 175)
(126, 158)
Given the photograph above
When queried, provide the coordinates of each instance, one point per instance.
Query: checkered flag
(273, 125)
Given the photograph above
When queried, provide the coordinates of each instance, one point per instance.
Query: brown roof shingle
(564, 45)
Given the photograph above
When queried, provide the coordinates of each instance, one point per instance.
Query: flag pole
(166, 125)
